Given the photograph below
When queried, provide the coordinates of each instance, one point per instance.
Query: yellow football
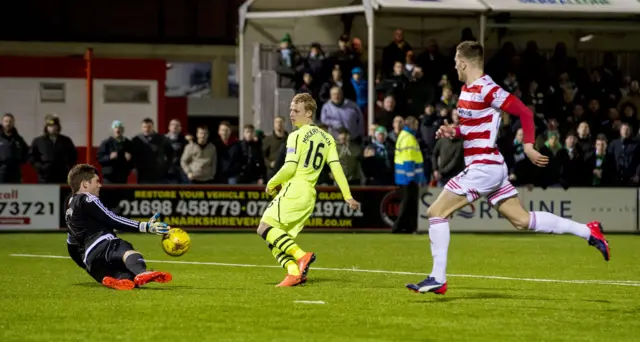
(176, 242)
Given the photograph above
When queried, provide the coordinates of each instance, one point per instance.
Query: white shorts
(479, 180)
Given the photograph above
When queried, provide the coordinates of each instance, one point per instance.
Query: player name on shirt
(313, 131)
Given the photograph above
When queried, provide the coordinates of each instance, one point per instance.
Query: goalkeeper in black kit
(92, 242)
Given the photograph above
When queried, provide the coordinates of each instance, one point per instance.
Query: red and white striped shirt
(479, 109)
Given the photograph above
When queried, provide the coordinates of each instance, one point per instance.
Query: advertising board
(29, 207)
(616, 208)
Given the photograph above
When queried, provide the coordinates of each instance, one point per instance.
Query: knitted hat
(117, 123)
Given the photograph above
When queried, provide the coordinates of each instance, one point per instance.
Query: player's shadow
(147, 288)
(495, 295)
(318, 280)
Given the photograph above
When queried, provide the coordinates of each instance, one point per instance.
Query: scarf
(598, 166)
(555, 148)
(518, 150)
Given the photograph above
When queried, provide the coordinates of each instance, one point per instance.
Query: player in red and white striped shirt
(479, 108)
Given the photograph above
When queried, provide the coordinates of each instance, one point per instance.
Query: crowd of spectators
(586, 119)
(586, 123)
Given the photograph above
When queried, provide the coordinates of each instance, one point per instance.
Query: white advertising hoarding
(615, 208)
(29, 207)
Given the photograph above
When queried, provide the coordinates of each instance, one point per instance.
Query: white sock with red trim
(544, 222)
(439, 235)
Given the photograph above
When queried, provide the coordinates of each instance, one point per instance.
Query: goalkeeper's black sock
(135, 263)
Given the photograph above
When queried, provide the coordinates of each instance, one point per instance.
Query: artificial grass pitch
(521, 287)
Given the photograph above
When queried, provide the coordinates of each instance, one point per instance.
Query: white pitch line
(309, 302)
(634, 283)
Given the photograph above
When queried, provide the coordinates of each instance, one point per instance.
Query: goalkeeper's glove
(154, 218)
(158, 228)
(154, 227)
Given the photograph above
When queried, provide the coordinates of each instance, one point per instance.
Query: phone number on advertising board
(223, 208)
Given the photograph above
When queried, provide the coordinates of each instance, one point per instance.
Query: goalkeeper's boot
(305, 262)
(292, 280)
(598, 240)
(428, 285)
(149, 276)
(118, 284)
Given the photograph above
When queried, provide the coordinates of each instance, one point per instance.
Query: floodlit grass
(49, 299)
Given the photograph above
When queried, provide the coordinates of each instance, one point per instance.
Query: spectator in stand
(447, 100)
(385, 116)
(571, 162)
(578, 115)
(199, 159)
(594, 111)
(535, 96)
(358, 51)
(253, 170)
(396, 51)
(563, 93)
(409, 174)
(433, 63)
(377, 164)
(229, 156)
(625, 153)
(625, 87)
(429, 124)
(395, 85)
(550, 175)
(290, 64)
(447, 159)
(610, 72)
(345, 59)
(419, 93)
(350, 155)
(398, 126)
(409, 64)
(629, 114)
(360, 86)
(178, 142)
(13, 151)
(611, 126)
(371, 137)
(272, 144)
(585, 143)
(336, 81)
(308, 85)
(532, 63)
(115, 157)
(53, 154)
(600, 165)
(316, 62)
(633, 96)
(561, 62)
(152, 155)
(511, 84)
(520, 168)
(342, 113)
(597, 87)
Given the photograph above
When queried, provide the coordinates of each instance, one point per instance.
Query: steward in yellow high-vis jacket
(409, 173)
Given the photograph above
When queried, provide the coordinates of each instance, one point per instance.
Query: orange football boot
(292, 280)
(118, 284)
(305, 262)
(149, 276)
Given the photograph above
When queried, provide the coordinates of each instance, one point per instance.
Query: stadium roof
(297, 5)
(547, 7)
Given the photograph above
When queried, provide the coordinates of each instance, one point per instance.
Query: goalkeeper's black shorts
(106, 260)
